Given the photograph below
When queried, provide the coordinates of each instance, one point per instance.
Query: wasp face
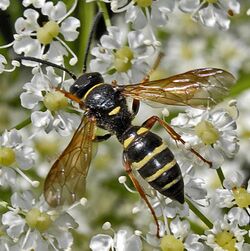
(85, 83)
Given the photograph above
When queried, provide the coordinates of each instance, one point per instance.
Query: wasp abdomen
(151, 157)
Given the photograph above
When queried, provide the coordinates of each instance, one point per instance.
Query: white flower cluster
(189, 34)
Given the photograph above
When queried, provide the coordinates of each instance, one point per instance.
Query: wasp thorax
(123, 57)
(46, 33)
(207, 132)
(55, 101)
(7, 156)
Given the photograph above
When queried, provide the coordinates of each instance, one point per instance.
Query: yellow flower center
(123, 57)
(207, 132)
(226, 240)
(212, 1)
(242, 197)
(46, 146)
(7, 156)
(55, 101)
(37, 219)
(186, 52)
(144, 3)
(170, 243)
(46, 33)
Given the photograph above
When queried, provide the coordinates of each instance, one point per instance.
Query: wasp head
(85, 82)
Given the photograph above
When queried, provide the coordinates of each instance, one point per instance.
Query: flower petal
(54, 12)
(68, 28)
(101, 242)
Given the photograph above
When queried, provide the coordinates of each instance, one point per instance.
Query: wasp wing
(66, 180)
(197, 88)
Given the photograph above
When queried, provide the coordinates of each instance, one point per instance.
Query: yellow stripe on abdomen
(128, 141)
(173, 182)
(158, 173)
(141, 163)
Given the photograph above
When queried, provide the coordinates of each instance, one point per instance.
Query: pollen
(123, 58)
(144, 3)
(48, 32)
(7, 156)
(207, 132)
(55, 101)
(212, 1)
(242, 197)
(226, 240)
(38, 220)
(170, 243)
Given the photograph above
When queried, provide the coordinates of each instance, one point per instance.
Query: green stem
(26, 121)
(86, 14)
(197, 212)
(22, 124)
(103, 8)
(220, 175)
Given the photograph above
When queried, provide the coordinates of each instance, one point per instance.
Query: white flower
(211, 133)
(42, 89)
(229, 53)
(235, 195)
(225, 230)
(181, 230)
(31, 38)
(180, 57)
(178, 237)
(211, 13)
(151, 12)
(120, 242)
(117, 61)
(3, 61)
(194, 188)
(4, 4)
(142, 13)
(35, 3)
(14, 157)
(101, 242)
(32, 226)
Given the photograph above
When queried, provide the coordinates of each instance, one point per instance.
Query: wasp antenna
(91, 35)
(20, 58)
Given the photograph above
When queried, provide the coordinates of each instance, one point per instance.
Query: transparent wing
(65, 182)
(198, 88)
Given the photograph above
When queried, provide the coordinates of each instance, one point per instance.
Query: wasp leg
(100, 138)
(177, 137)
(138, 187)
(135, 107)
(71, 96)
(154, 67)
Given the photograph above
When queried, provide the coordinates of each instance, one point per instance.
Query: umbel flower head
(15, 156)
(31, 38)
(122, 56)
(31, 225)
(212, 133)
(41, 89)
(211, 12)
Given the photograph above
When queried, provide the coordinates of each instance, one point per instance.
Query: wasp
(105, 106)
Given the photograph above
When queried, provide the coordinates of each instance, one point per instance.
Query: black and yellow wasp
(105, 107)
